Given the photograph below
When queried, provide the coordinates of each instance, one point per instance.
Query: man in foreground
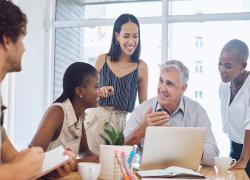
(28, 162)
(171, 108)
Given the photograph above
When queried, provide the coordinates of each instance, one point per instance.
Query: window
(69, 10)
(116, 9)
(191, 7)
(209, 80)
(198, 94)
(97, 41)
(198, 67)
(198, 42)
(68, 41)
(68, 49)
(86, 42)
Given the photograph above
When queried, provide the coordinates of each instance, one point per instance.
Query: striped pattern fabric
(125, 87)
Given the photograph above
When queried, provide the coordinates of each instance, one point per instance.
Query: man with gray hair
(171, 108)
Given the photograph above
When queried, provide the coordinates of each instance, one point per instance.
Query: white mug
(224, 163)
(89, 171)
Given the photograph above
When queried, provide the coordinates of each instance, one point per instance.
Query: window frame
(51, 24)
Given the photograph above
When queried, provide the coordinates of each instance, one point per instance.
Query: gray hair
(239, 47)
(179, 66)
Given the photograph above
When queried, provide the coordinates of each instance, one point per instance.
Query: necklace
(235, 88)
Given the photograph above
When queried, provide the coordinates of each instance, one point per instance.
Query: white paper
(52, 160)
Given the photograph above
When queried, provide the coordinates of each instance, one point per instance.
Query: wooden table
(208, 172)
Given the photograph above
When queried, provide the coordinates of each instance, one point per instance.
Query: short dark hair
(12, 21)
(239, 47)
(77, 74)
(115, 49)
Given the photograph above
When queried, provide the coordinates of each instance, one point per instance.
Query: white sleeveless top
(71, 132)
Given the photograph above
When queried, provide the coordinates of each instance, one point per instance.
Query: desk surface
(208, 172)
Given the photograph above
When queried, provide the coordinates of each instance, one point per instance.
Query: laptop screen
(173, 146)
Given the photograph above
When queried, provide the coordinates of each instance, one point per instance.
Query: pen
(125, 175)
(135, 148)
(125, 164)
(131, 155)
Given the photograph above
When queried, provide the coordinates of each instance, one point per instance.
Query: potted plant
(114, 141)
(111, 136)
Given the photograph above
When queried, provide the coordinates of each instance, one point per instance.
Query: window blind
(68, 42)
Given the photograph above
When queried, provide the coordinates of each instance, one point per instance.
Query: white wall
(31, 83)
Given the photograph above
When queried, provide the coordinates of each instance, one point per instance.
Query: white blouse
(236, 116)
(71, 131)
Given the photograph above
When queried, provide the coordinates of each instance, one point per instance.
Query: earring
(117, 43)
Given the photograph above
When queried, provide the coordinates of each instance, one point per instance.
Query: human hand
(105, 91)
(28, 163)
(240, 165)
(72, 163)
(65, 169)
(152, 119)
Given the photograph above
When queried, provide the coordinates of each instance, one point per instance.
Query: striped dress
(113, 109)
(125, 87)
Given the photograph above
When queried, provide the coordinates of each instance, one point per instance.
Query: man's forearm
(210, 151)
(6, 171)
(133, 138)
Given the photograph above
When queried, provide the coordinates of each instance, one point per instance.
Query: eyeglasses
(3, 107)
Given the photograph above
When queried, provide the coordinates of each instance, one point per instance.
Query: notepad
(52, 160)
(172, 171)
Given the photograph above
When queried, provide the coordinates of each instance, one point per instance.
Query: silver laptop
(173, 146)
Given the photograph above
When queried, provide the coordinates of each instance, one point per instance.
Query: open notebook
(52, 160)
(170, 172)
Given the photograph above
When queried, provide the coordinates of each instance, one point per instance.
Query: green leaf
(107, 142)
(113, 130)
(110, 135)
(110, 127)
(120, 139)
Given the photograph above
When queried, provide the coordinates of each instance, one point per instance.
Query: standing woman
(122, 75)
(62, 124)
(235, 100)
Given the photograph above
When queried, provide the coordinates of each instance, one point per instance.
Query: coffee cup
(224, 163)
(89, 171)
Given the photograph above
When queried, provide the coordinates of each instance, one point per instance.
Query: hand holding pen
(30, 159)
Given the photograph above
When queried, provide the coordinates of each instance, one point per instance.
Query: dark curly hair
(12, 21)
